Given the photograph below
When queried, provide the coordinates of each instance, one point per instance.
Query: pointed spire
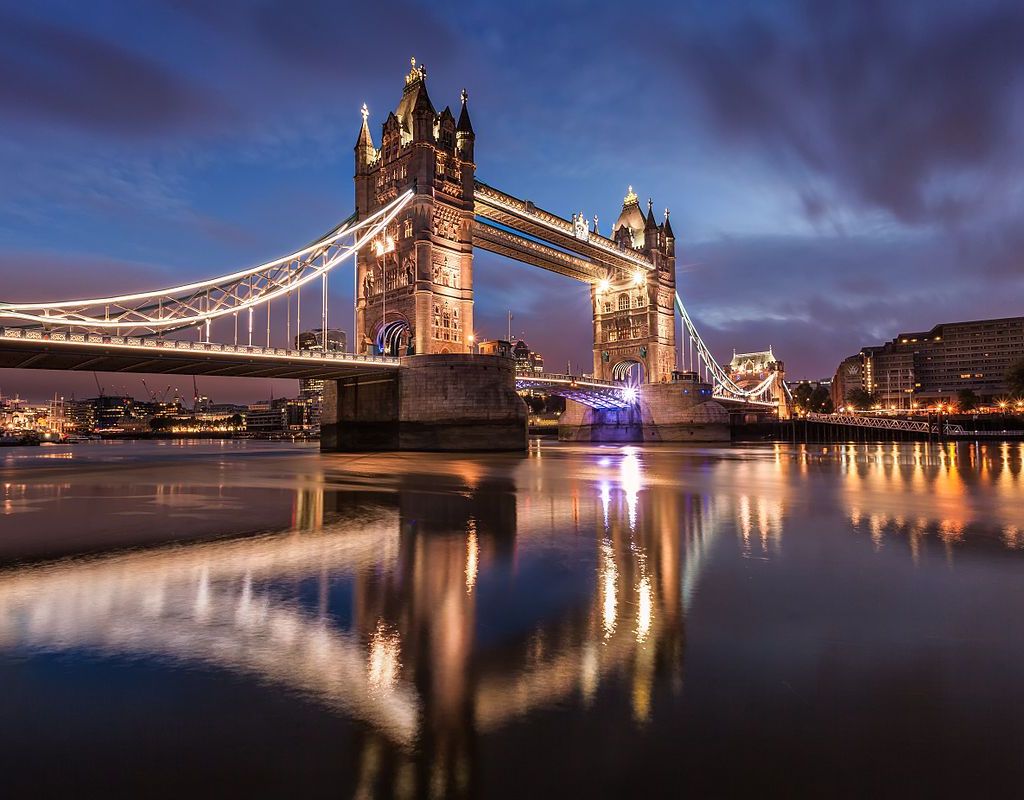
(364, 132)
(668, 226)
(630, 198)
(365, 151)
(595, 226)
(464, 126)
(650, 224)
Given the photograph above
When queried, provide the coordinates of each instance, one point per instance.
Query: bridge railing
(885, 423)
(30, 334)
(561, 377)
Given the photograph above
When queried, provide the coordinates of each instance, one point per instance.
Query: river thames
(239, 618)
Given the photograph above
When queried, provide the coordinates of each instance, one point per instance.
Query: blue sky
(837, 172)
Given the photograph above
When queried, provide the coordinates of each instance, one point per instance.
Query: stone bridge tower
(634, 310)
(415, 282)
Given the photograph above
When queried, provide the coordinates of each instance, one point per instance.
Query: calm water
(581, 621)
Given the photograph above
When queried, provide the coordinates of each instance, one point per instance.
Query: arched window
(623, 301)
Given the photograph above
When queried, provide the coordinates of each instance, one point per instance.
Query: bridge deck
(24, 349)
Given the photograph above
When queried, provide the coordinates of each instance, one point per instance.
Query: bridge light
(629, 394)
(639, 278)
(604, 285)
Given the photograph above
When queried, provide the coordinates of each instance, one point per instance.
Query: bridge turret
(670, 237)
(651, 238)
(415, 111)
(365, 151)
(464, 134)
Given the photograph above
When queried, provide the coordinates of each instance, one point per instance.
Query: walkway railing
(885, 423)
(63, 337)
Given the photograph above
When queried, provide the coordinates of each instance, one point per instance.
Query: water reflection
(440, 600)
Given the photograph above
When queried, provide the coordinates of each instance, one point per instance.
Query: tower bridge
(412, 380)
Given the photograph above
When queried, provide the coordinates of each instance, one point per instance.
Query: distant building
(312, 389)
(496, 347)
(748, 370)
(934, 366)
(527, 361)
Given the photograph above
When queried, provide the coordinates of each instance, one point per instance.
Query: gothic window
(407, 228)
(607, 306)
(440, 164)
(623, 301)
(641, 301)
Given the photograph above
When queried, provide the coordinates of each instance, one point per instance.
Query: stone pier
(680, 411)
(455, 402)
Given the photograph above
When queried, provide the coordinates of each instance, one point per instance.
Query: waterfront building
(923, 368)
(312, 389)
(496, 347)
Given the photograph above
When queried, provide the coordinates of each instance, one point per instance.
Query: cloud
(908, 108)
(57, 74)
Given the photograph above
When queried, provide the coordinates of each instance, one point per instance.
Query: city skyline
(803, 223)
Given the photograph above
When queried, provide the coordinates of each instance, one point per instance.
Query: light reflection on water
(439, 605)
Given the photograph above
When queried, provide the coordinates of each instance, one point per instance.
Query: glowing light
(644, 610)
(629, 394)
(631, 479)
(472, 557)
(384, 663)
(609, 576)
(639, 278)
(604, 285)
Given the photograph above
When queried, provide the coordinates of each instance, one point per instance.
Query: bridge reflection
(371, 605)
(435, 600)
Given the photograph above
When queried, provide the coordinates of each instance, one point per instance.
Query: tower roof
(631, 218)
(414, 96)
(650, 223)
(365, 139)
(464, 126)
(668, 225)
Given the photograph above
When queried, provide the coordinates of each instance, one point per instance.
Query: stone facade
(679, 411)
(459, 402)
(415, 283)
(634, 311)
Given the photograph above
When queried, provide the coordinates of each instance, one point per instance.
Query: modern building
(312, 389)
(528, 362)
(922, 368)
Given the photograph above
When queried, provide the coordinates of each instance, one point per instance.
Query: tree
(1015, 378)
(802, 393)
(860, 398)
(967, 400)
(820, 401)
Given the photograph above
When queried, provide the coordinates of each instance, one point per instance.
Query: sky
(837, 172)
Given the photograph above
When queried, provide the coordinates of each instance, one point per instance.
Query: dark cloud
(891, 102)
(55, 74)
(839, 171)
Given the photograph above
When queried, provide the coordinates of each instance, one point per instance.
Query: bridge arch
(629, 370)
(394, 338)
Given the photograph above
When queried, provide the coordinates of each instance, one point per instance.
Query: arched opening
(395, 339)
(629, 371)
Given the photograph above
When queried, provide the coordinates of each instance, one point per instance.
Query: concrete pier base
(456, 402)
(681, 411)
